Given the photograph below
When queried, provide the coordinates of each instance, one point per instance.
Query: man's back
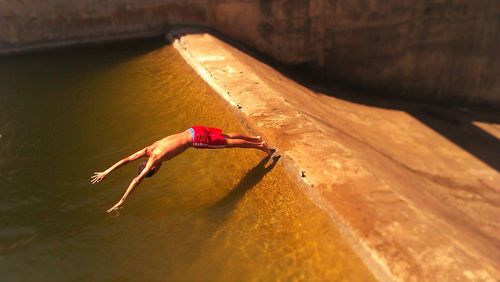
(169, 147)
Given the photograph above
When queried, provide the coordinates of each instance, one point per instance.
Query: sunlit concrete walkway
(416, 190)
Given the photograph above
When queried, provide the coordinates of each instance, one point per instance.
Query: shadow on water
(224, 206)
(215, 215)
(219, 210)
(452, 118)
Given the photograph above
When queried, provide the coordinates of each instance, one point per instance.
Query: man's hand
(115, 207)
(97, 177)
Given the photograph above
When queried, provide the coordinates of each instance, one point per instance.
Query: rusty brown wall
(443, 49)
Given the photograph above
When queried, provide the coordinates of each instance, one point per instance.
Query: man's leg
(254, 139)
(241, 143)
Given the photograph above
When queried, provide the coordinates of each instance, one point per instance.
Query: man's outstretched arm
(135, 182)
(99, 176)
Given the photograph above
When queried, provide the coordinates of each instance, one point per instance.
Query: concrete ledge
(175, 36)
(353, 161)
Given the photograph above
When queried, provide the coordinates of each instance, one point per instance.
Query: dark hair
(151, 172)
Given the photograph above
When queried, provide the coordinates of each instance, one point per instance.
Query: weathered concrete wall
(32, 24)
(443, 49)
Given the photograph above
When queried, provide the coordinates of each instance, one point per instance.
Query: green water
(206, 215)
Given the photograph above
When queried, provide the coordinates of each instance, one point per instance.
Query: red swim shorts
(207, 137)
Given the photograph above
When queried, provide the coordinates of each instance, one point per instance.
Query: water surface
(207, 215)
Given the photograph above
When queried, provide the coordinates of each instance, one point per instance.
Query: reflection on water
(207, 214)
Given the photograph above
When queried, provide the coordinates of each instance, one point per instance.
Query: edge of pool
(40, 46)
(370, 259)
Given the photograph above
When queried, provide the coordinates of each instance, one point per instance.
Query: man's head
(151, 172)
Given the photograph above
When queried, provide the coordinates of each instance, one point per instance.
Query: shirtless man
(171, 146)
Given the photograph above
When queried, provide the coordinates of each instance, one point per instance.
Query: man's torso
(170, 146)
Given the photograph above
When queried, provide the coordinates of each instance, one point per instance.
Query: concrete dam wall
(444, 49)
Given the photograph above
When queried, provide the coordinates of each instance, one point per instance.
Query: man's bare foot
(265, 148)
(259, 138)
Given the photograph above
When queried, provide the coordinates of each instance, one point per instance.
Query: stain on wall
(440, 49)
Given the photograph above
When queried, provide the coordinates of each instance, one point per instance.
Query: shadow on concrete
(452, 119)
(454, 122)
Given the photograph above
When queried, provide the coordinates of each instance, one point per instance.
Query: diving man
(169, 147)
